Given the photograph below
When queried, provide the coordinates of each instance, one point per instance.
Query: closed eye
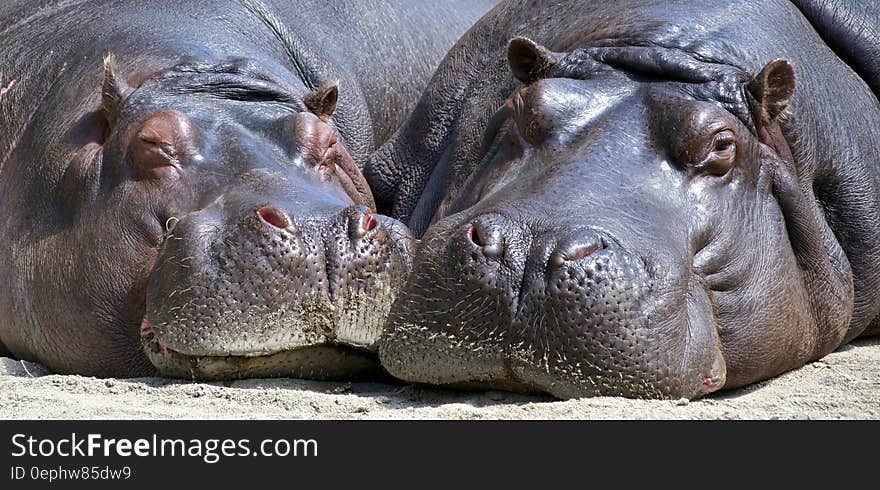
(165, 148)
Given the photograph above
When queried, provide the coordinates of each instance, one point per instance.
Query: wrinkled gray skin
(194, 203)
(636, 198)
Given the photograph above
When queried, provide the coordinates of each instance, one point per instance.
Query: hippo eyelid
(720, 154)
(167, 149)
(723, 139)
(152, 138)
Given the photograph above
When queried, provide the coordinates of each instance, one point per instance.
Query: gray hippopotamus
(180, 185)
(639, 198)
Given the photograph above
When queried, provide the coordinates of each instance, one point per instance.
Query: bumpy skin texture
(642, 198)
(197, 200)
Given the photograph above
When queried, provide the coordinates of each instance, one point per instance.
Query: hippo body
(639, 198)
(180, 184)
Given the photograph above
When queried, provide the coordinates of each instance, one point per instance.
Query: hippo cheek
(265, 295)
(591, 324)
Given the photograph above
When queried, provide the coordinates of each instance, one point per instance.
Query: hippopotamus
(648, 199)
(180, 182)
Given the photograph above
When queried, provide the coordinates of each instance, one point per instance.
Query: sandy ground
(843, 385)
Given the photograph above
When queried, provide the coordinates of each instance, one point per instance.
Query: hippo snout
(266, 289)
(570, 311)
(490, 235)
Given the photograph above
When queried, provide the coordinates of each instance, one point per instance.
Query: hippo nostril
(475, 237)
(489, 240)
(361, 224)
(274, 217)
(582, 252)
(572, 254)
(370, 221)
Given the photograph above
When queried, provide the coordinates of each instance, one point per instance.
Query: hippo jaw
(316, 332)
(328, 361)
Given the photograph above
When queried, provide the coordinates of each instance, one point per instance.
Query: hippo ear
(322, 101)
(773, 88)
(528, 60)
(114, 90)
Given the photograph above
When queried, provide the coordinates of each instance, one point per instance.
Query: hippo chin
(617, 203)
(192, 202)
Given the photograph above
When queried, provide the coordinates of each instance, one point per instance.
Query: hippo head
(253, 231)
(634, 226)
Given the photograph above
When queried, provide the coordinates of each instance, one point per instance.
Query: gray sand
(843, 385)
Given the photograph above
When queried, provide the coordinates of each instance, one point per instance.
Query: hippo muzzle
(267, 293)
(563, 310)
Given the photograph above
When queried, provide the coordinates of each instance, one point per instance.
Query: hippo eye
(721, 154)
(165, 149)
